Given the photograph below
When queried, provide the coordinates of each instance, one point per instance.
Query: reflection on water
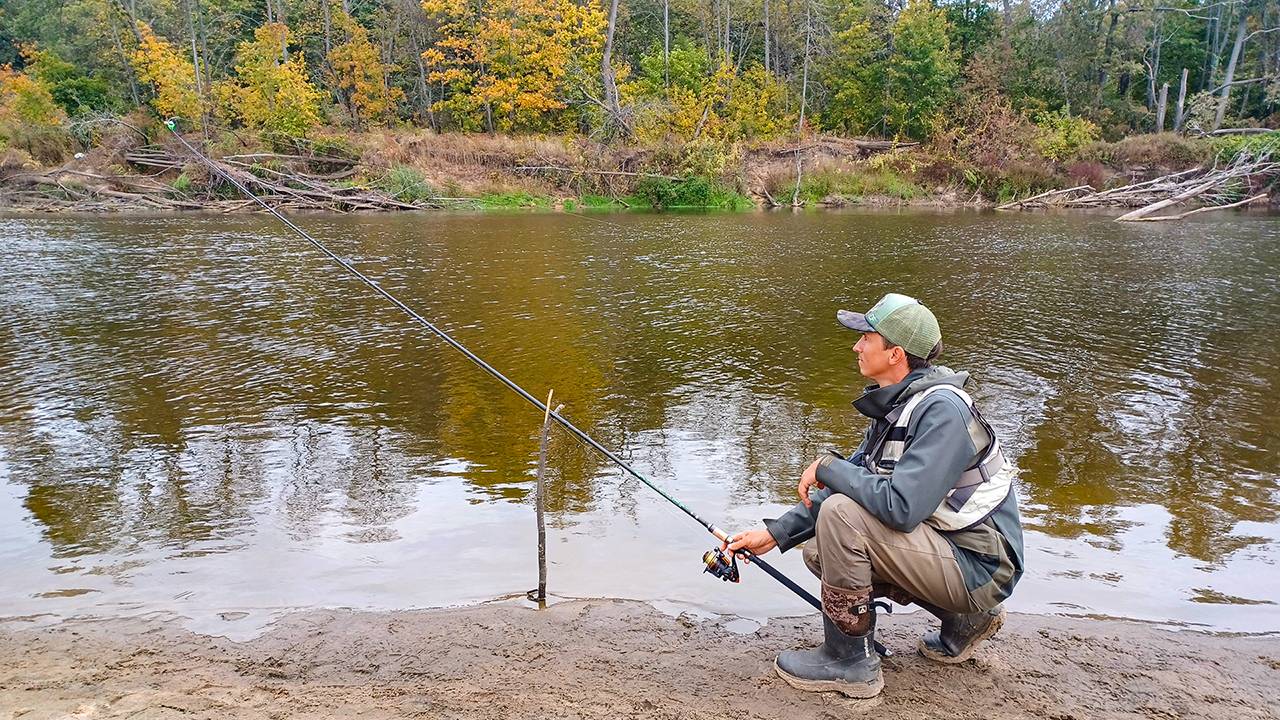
(201, 414)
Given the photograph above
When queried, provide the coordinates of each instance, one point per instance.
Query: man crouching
(924, 511)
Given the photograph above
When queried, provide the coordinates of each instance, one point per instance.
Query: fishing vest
(980, 489)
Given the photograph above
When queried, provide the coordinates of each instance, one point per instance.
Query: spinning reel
(720, 565)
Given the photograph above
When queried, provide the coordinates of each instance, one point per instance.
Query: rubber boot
(961, 633)
(846, 661)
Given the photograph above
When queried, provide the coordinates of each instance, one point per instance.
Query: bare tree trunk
(767, 67)
(1231, 70)
(1107, 48)
(666, 43)
(728, 26)
(1161, 106)
(195, 54)
(1180, 115)
(804, 82)
(328, 29)
(607, 76)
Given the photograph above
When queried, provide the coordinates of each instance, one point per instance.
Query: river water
(202, 417)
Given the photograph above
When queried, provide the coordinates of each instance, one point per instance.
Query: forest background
(682, 101)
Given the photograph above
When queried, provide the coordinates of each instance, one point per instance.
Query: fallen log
(1207, 208)
(1041, 196)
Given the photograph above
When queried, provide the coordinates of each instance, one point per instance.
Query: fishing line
(563, 422)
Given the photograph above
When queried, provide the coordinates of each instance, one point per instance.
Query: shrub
(1161, 150)
(696, 192)
(1062, 135)
(1093, 174)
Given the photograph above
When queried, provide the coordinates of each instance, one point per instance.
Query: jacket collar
(876, 401)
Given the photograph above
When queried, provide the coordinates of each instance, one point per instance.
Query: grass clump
(406, 185)
(696, 192)
(826, 184)
(182, 184)
(514, 200)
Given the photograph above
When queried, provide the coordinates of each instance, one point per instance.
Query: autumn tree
(508, 64)
(268, 93)
(359, 73)
(170, 74)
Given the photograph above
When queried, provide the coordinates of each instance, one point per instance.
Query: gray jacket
(938, 449)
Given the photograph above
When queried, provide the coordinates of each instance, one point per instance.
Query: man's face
(873, 359)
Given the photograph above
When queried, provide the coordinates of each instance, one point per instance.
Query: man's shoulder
(941, 399)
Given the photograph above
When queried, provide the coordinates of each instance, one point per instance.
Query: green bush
(1062, 135)
(182, 184)
(696, 192)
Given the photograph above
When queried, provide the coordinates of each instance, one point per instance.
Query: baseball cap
(901, 319)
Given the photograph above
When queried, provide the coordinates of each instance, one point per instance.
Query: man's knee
(840, 513)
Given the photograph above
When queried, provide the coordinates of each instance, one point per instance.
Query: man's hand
(757, 542)
(809, 480)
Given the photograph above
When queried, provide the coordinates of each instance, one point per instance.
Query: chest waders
(979, 490)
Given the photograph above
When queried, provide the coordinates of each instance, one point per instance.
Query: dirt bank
(611, 659)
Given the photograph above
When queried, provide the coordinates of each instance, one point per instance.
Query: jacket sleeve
(938, 450)
(799, 523)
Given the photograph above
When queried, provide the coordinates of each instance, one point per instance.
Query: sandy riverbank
(611, 659)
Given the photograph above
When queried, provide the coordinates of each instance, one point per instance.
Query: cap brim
(854, 321)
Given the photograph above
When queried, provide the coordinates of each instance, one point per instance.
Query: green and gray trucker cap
(902, 320)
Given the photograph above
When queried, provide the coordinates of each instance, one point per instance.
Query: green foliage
(902, 93)
(697, 192)
(406, 184)
(514, 200)
(73, 91)
(1061, 135)
(921, 72)
(1232, 147)
(182, 184)
(847, 185)
(719, 102)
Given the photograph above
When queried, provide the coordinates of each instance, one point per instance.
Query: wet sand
(612, 659)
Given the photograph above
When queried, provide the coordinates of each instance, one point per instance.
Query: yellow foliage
(507, 62)
(360, 73)
(169, 73)
(269, 93)
(26, 101)
(729, 105)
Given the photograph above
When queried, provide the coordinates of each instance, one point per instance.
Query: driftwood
(1251, 174)
(287, 184)
(1207, 208)
(1042, 197)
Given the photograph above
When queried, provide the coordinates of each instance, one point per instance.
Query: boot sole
(984, 636)
(861, 691)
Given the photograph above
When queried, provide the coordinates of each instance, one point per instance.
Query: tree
(854, 74)
(170, 74)
(507, 63)
(360, 74)
(922, 71)
(270, 94)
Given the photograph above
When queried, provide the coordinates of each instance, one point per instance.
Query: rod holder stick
(540, 503)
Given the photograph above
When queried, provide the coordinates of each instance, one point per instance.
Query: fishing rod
(715, 561)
